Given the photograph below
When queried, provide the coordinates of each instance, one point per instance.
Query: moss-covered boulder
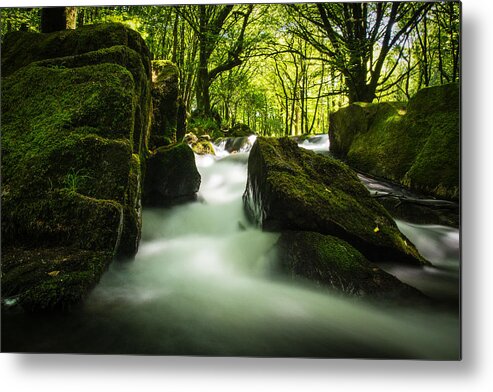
(200, 145)
(289, 188)
(239, 130)
(417, 146)
(74, 136)
(331, 262)
(164, 99)
(171, 176)
(203, 147)
(45, 279)
(21, 48)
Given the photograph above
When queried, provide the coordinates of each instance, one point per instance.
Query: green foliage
(74, 180)
(13, 19)
(205, 126)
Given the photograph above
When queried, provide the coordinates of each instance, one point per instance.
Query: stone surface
(164, 102)
(74, 136)
(171, 176)
(289, 188)
(334, 263)
(417, 146)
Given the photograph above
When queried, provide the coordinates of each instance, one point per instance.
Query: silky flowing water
(202, 283)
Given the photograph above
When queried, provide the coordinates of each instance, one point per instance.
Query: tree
(58, 18)
(350, 34)
(215, 25)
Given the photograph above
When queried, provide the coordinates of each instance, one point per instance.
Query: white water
(201, 284)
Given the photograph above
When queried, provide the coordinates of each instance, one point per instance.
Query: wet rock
(236, 144)
(200, 145)
(74, 133)
(203, 147)
(289, 188)
(334, 263)
(417, 145)
(171, 176)
(239, 130)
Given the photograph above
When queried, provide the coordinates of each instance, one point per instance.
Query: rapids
(202, 283)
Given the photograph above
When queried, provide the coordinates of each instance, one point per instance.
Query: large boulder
(171, 176)
(21, 48)
(289, 188)
(164, 101)
(417, 146)
(331, 262)
(74, 136)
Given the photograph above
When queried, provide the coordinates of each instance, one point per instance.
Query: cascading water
(202, 284)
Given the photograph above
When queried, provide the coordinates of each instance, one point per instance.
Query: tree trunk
(53, 19)
(71, 17)
(203, 98)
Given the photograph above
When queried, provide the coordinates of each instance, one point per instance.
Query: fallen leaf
(53, 273)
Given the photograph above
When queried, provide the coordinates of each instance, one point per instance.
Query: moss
(134, 63)
(295, 189)
(133, 211)
(332, 262)
(22, 48)
(418, 147)
(90, 45)
(436, 168)
(51, 278)
(344, 125)
(43, 103)
(163, 71)
(203, 147)
(165, 76)
(60, 217)
(74, 139)
(377, 151)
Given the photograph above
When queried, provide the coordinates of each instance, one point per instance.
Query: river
(202, 283)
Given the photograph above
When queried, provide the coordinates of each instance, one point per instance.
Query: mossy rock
(132, 61)
(417, 146)
(171, 176)
(56, 137)
(289, 188)
(51, 279)
(436, 167)
(74, 141)
(165, 76)
(334, 263)
(22, 48)
(203, 147)
(239, 130)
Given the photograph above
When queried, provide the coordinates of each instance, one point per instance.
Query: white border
(126, 373)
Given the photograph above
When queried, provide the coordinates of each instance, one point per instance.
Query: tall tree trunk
(53, 19)
(175, 40)
(203, 98)
(71, 17)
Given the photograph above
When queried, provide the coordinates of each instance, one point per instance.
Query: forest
(267, 180)
(282, 68)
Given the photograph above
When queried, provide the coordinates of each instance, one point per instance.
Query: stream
(202, 283)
